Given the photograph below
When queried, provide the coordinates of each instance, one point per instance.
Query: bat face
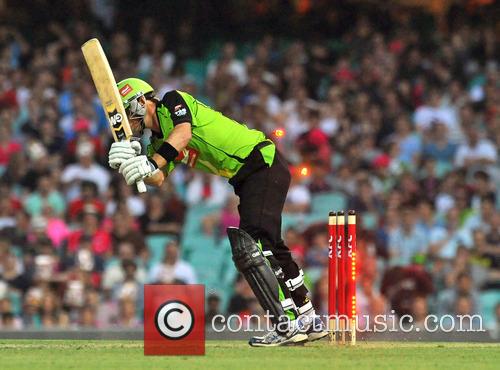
(105, 84)
(116, 121)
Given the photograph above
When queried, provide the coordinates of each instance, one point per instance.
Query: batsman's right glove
(138, 168)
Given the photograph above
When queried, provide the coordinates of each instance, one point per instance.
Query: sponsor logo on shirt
(179, 110)
(125, 90)
(188, 156)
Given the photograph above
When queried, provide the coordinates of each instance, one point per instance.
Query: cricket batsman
(184, 130)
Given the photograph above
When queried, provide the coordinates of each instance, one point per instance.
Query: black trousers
(262, 191)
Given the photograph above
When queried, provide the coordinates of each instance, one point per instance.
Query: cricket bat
(107, 90)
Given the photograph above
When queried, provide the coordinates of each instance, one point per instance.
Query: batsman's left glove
(121, 151)
(137, 168)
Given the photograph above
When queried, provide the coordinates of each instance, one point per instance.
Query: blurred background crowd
(392, 110)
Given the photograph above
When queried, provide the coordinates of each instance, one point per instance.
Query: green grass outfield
(83, 354)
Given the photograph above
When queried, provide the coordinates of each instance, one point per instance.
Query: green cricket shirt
(218, 145)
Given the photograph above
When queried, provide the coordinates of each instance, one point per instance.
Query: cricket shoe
(274, 339)
(316, 329)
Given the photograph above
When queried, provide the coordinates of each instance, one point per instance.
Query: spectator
(88, 319)
(159, 219)
(317, 253)
(366, 201)
(426, 217)
(406, 241)
(115, 272)
(476, 151)
(320, 183)
(369, 303)
(45, 196)
(120, 195)
(433, 111)
(298, 199)
(8, 146)
(7, 219)
(157, 55)
(85, 169)
(314, 144)
(449, 299)
(439, 146)
(445, 241)
(130, 288)
(208, 189)
(228, 60)
(91, 228)
(128, 314)
(124, 230)
(220, 221)
(9, 321)
(482, 218)
(213, 308)
(345, 181)
(89, 199)
(483, 187)
(12, 271)
(419, 311)
(296, 243)
(240, 302)
(410, 146)
(172, 269)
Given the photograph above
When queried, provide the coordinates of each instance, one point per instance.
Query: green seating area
(211, 259)
(488, 301)
(156, 247)
(323, 203)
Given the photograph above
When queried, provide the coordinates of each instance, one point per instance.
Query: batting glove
(137, 168)
(122, 151)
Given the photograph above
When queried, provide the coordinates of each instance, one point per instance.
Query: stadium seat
(196, 68)
(16, 301)
(289, 220)
(156, 247)
(201, 251)
(488, 301)
(321, 204)
(212, 261)
(314, 218)
(194, 217)
(227, 272)
(369, 220)
(17, 251)
(442, 168)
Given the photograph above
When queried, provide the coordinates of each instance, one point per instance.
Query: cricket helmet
(131, 89)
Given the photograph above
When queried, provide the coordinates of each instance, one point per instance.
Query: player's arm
(178, 140)
(174, 144)
(156, 179)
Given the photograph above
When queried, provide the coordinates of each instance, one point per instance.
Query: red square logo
(125, 90)
(174, 319)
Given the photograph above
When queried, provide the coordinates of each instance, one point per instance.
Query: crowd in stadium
(401, 124)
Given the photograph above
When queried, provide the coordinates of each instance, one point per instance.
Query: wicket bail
(342, 277)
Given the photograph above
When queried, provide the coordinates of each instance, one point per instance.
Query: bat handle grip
(141, 186)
